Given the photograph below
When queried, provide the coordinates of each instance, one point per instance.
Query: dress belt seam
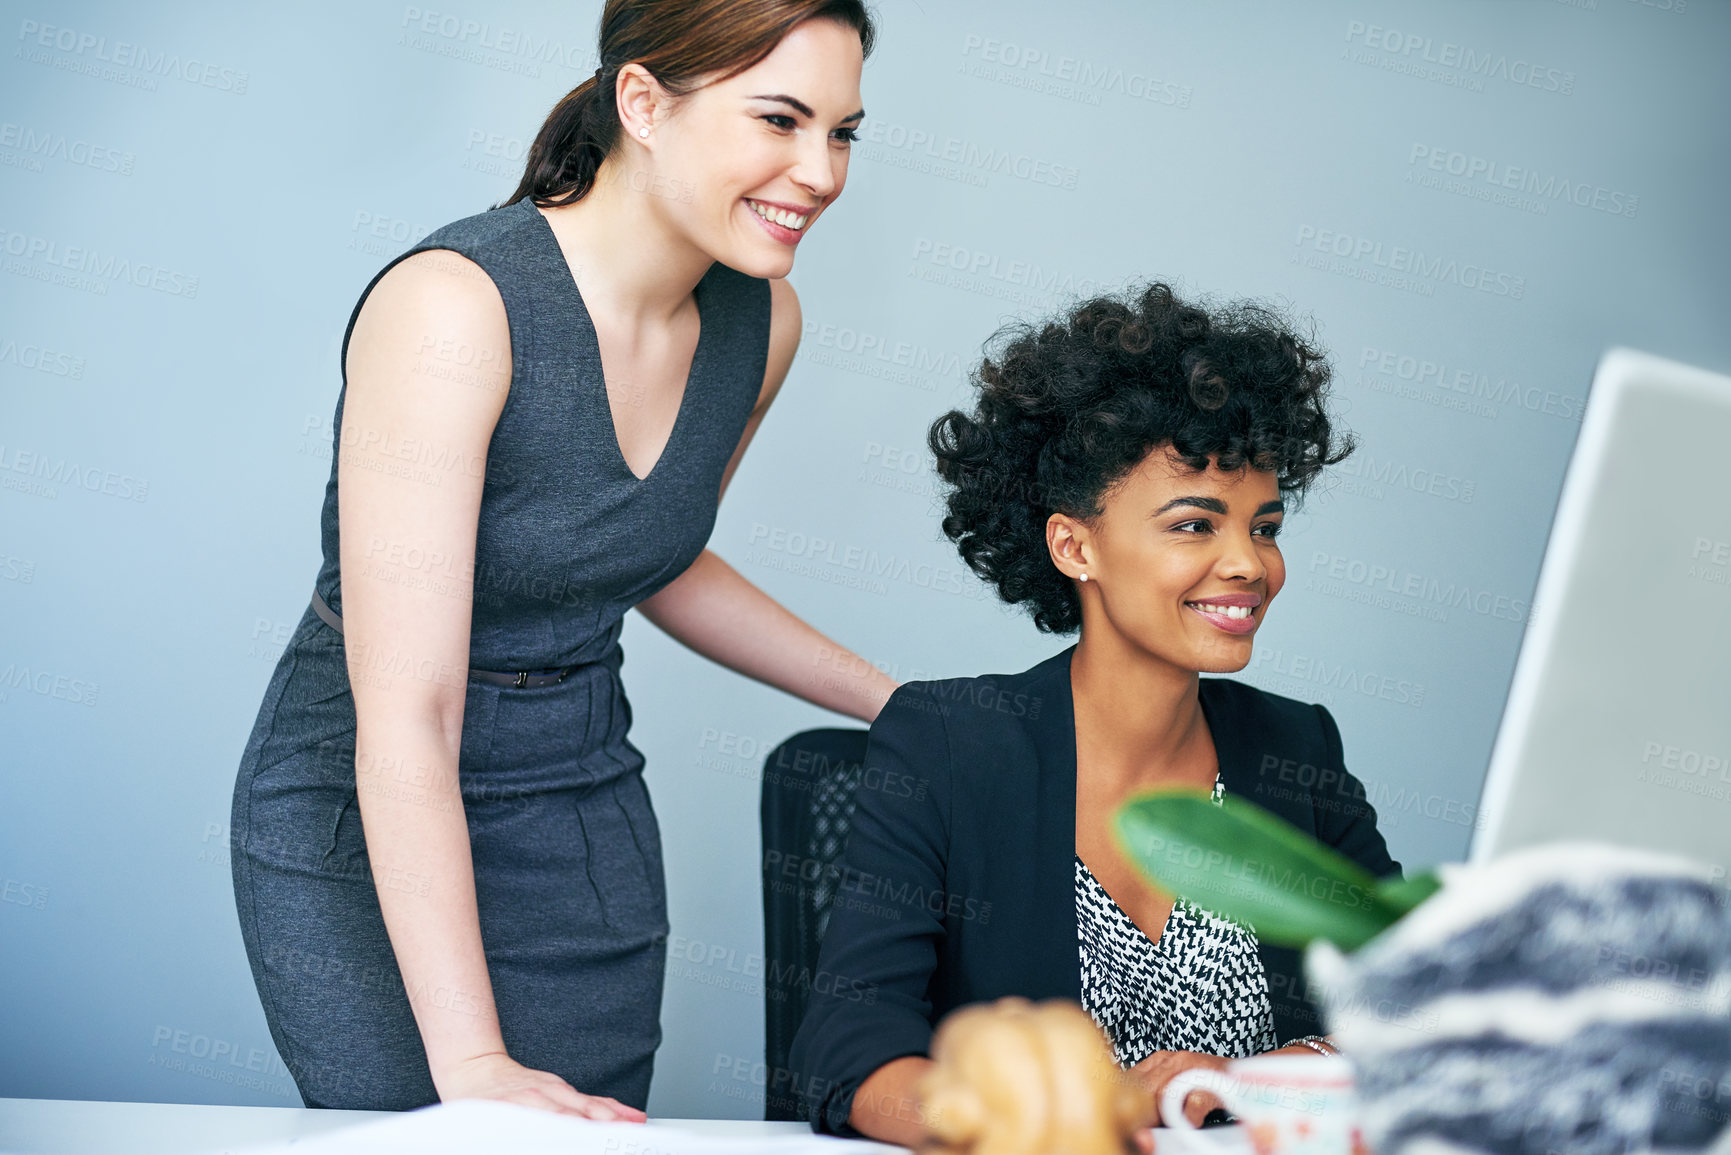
(515, 679)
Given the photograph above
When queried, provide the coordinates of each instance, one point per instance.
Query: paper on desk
(482, 1127)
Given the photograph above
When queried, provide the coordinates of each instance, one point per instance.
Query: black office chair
(807, 807)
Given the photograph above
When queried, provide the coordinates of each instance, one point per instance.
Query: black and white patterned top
(1200, 987)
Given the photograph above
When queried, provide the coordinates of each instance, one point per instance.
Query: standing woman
(447, 870)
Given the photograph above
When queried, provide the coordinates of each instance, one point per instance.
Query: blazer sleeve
(1345, 818)
(881, 946)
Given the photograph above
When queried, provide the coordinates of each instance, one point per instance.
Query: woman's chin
(1223, 656)
(755, 256)
(754, 262)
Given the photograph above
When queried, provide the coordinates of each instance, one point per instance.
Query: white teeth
(782, 217)
(1227, 611)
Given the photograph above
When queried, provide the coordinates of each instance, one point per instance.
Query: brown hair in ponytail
(678, 41)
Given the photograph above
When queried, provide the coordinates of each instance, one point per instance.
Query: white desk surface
(91, 1127)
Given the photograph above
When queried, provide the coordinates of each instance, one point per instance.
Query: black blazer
(958, 881)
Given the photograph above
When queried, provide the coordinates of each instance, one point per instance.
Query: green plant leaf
(1238, 860)
(1403, 894)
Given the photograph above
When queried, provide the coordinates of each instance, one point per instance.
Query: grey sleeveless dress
(567, 855)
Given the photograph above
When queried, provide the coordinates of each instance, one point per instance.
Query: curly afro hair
(1067, 409)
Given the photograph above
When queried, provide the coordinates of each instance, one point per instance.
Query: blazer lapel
(1053, 958)
(1242, 742)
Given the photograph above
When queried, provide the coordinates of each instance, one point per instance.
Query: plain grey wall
(1472, 199)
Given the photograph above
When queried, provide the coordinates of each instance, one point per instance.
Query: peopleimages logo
(47, 684)
(856, 566)
(85, 52)
(1710, 561)
(1066, 77)
(461, 33)
(1340, 675)
(1380, 471)
(979, 271)
(1371, 260)
(1421, 373)
(1494, 176)
(38, 145)
(1704, 773)
(1451, 62)
(46, 472)
(41, 358)
(90, 266)
(953, 158)
(871, 346)
(1420, 588)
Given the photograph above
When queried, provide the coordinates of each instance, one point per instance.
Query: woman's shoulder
(1267, 710)
(462, 262)
(1278, 751)
(489, 226)
(984, 700)
(978, 740)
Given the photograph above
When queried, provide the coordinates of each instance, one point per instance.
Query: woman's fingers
(561, 1096)
(1159, 1068)
(539, 1099)
(624, 1113)
(551, 1093)
(498, 1076)
(600, 1108)
(571, 1101)
(1197, 1104)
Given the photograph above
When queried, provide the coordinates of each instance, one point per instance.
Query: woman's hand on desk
(1157, 1070)
(498, 1076)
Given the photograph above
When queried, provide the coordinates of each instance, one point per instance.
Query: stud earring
(644, 132)
(1084, 575)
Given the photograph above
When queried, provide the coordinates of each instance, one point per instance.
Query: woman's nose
(814, 167)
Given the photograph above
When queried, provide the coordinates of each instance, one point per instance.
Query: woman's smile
(1233, 613)
(786, 223)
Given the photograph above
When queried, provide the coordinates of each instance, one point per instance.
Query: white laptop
(1618, 721)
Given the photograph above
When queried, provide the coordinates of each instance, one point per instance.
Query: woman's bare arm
(887, 1106)
(428, 370)
(716, 611)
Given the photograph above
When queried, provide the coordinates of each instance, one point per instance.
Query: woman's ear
(640, 100)
(1068, 542)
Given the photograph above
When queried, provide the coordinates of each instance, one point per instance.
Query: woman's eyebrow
(803, 108)
(1215, 505)
(1211, 504)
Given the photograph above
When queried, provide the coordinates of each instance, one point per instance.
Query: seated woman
(1125, 471)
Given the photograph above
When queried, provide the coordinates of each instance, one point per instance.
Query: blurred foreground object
(1020, 1078)
(1573, 997)
(1238, 860)
(1287, 1104)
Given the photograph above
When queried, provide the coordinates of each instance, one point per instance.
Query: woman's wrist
(452, 1062)
(457, 1044)
(1321, 1044)
(888, 1105)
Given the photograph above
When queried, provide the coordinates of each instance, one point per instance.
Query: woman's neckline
(1153, 940)
(691, 373)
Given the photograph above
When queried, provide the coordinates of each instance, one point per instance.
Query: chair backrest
(807, 808)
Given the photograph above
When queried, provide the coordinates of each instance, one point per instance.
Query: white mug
(1288, 1104)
